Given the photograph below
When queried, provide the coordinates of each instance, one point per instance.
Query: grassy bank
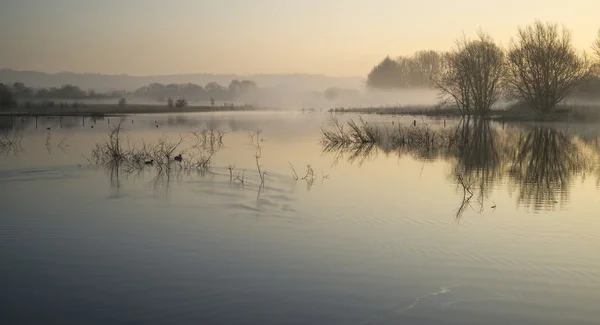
(519, 112)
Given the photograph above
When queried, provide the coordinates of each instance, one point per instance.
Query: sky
(332, 37)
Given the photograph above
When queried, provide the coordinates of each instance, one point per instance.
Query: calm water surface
(502, 229)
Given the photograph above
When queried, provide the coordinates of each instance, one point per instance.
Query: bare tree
(596, 49)
(543, 66)
(471, 75)
(596, 46)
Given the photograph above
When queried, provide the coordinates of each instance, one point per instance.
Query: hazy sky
(334, 37)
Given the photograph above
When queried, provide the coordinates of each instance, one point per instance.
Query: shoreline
(578, 114)
(101, 110)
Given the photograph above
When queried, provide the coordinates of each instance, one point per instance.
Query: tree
(122, 102)
(426, 66)
(416, 71)
(471, 75)
(543, 66)
(216, 91)
(596, 46)
(6, 96)
(170, 102)
(181, 103)
(21, 91)
(384, 75)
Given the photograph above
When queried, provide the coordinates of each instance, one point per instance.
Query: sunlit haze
(338, 38)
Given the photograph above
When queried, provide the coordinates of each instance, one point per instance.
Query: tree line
(406, 72)
(176, 95)
(211, 91)
(20, 91)
(541, 68)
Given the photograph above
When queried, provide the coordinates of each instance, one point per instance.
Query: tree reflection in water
(540, 162)
(477, 161)
(544, 164)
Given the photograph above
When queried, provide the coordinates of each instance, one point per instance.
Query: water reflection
(478, 162)
(10, 142)
(544, 163)
(352, 152)
(539, 162)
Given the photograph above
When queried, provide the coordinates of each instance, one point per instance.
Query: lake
(498, 225)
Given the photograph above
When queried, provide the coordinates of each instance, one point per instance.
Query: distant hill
(101, 82)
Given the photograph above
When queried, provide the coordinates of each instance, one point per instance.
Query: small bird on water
(149, 162)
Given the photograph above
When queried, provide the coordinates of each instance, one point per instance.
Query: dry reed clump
(364, 137)
(357, 133)
(421, 135)
(193, 151)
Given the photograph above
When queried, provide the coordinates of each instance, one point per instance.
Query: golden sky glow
(339, 38)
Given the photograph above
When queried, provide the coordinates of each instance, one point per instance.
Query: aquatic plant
(255, 140)
(357, 133)
(194, 151)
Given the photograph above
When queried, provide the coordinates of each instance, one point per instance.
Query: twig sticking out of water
(231, 168)
(240, 177)
(255, 140)
(293, 171)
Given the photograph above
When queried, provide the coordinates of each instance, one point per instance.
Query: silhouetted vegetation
(471, 75)
(181, 103)
(21, 92)
(416, 71)
(212, 91)
(596, 46)
(543, 67)
(30, 97)
(360, 133)
(6, 97)
(194, 151)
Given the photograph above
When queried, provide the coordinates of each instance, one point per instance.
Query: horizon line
(182, 74)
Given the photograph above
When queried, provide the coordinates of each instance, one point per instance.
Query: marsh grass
(357, 133)
(196, 150)
(361, 141)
